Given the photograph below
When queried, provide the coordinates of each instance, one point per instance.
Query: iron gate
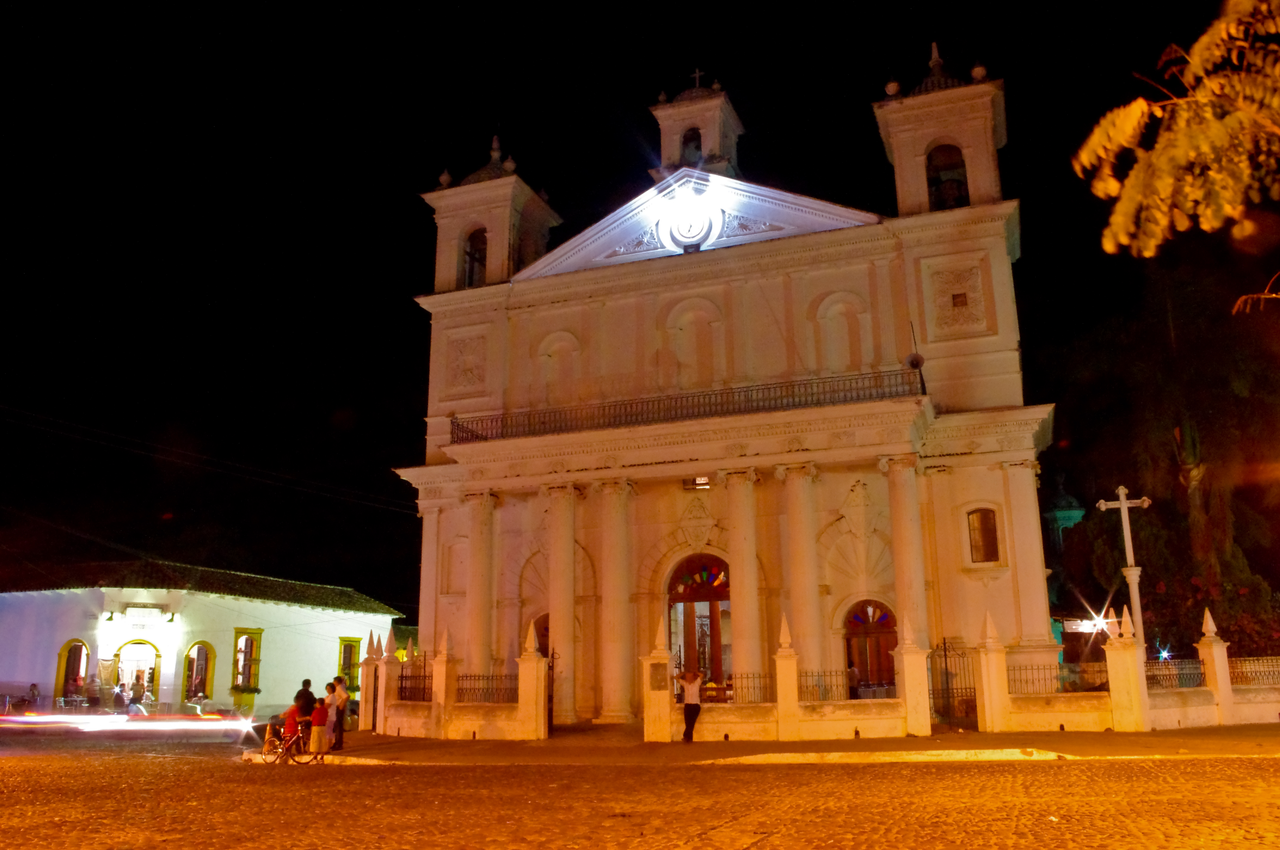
(953, 697)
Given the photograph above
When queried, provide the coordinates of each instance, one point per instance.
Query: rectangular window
(248, 657)
(349, 660)
(983, 547)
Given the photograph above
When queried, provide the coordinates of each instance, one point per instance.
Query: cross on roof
(697, 78)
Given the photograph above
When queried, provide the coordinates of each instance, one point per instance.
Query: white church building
(728, 421)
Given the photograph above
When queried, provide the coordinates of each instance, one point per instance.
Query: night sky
(210, 349)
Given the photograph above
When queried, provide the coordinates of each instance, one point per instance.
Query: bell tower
(942, 140)
(699, 129)
(489, 226)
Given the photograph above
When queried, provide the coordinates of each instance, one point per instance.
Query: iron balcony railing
(1042, 679)
(479, 688)
(759, 398)
(749, 688)
(1169, 675)
(1254, 671)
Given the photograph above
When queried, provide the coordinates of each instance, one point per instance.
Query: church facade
(728, 420)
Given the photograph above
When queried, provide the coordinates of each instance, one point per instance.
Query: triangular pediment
(694, 208)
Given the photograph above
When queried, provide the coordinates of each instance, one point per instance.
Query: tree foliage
(1201, 157)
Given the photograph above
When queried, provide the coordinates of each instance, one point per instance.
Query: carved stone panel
(957, 296)
(466, 362)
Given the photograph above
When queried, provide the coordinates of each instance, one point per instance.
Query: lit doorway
(137, 661)
(198, 675)
(871, 635)
(698, 612)
(73, 669)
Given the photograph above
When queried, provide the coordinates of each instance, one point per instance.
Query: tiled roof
(166, 575)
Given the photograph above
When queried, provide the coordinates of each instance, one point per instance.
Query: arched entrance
(73, 669)
(137, 660)
(698, 610)
(870, 636)
(198, 674)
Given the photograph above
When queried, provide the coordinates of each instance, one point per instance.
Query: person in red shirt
(290, 718)
(319, 718)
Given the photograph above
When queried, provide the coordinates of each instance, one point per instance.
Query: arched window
(691, 147)
(983, 541)
(198, 677)
(948, 182)
(73, 661)
(697, 598)
(871, 635)
(474, 255)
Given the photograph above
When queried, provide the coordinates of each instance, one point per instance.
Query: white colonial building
(726, 404)
(244, 640)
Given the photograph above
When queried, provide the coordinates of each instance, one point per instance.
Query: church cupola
(942, 140)
(699, 129)
(488, 227)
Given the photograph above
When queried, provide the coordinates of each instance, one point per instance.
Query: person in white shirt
(342, 698)
(691, 683)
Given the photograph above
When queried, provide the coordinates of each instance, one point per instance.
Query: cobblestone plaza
(136, 795)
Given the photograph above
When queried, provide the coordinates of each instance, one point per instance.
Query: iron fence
(827, 685)
(481, 688)
(1254, 671)
(414, 686)
(1170, 674)
(751, 688)
(1033, 680)
(786, 395)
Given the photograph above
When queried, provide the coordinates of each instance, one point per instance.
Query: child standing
(319, 730)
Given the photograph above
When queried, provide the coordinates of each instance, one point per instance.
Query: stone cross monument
(1130, 571)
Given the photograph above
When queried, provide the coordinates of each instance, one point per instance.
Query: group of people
(325, 715)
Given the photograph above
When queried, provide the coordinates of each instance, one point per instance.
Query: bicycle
(280, 750)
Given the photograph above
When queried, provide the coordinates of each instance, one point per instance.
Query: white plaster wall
(1181, 708)
(1256, 704)
(1088, 712)
(297, 642)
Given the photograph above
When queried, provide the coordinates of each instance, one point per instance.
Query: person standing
(319, 728)
(305, 699)
(691, 684)
(331, 705)
(340, 691)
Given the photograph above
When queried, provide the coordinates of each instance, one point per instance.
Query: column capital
(555, 491)
(1131, 574)
(747, 475)
(806, 470)
(615, 487)
(891, 462)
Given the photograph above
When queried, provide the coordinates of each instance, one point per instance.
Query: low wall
(1256, 704)
(483, 721)
(1179, 708)
(410, 719)
(1080, 712)
(865, 718)
(758, 722)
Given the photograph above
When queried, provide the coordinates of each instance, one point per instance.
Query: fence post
(992, 681)
(657, 688)
(532, 710)
(1217, 670)
(786, 665)
(1130, 707)
(388, 682)
(368, 666)
(911, 670)
(444, 686)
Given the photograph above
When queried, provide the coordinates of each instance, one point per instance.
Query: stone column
(802, 563)
(715, 662)
(617, 631)
(479, 657)
(1028, 560)
(907, 541)
(444, 686)
(368, 673)
(911, 679)
(1217, 672)
(561, 598)
(1131, 576)
(388, 685)
(689, 617)
(744, 572)
(1127, 675)
(429, 575)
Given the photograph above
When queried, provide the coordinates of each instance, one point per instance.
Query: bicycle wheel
(272, 749)
(300, 754)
